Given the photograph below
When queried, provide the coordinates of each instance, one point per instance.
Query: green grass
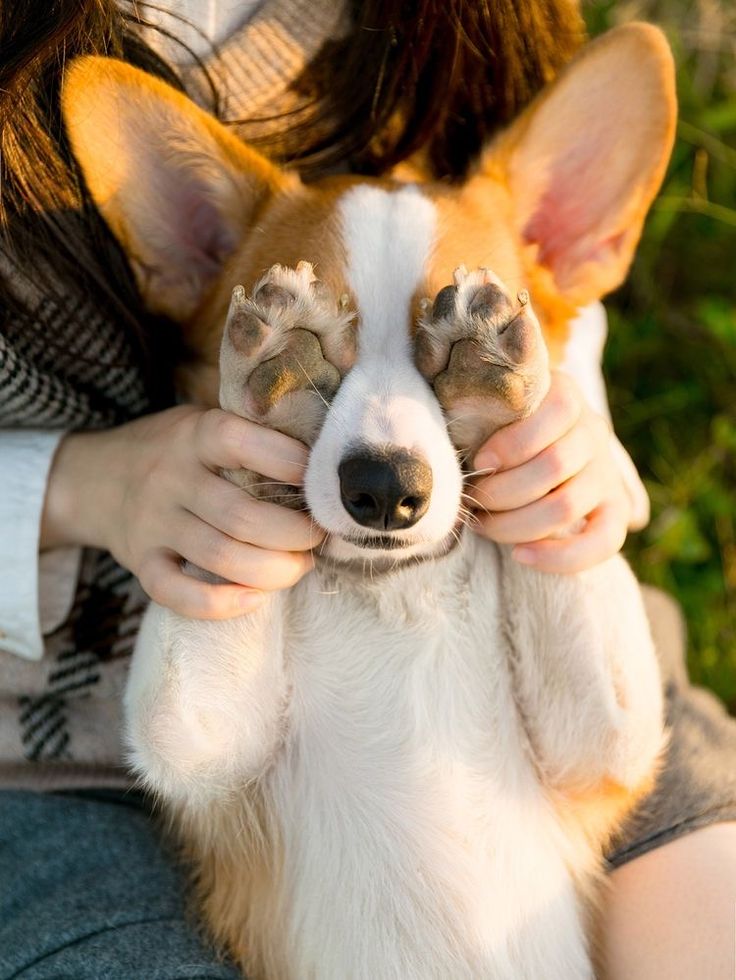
(671, 357)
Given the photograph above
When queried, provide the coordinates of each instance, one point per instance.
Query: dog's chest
(406, 674)
(405, 777)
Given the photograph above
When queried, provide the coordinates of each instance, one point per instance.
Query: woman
(93, 457)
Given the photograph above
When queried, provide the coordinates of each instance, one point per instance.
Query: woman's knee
(670, 914)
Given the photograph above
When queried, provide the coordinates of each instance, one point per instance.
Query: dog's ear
(176, 188)
(585, 161)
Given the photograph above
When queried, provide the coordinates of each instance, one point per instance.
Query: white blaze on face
(384, 401)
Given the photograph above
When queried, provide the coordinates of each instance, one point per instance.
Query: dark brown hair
(51, 235)
(440, 76)
(435, 75)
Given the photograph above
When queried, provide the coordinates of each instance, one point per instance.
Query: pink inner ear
(572, 207)
(586, 163)
(189, 225)
(198, 231)
(555, 227)
(585, 189)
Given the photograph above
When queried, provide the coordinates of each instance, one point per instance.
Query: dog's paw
(484, 355)
(285, 349)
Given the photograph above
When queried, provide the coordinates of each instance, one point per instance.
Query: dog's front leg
(205, 701)
(585, 675)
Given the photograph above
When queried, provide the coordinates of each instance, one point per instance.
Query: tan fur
(599, 814)
(300, 225)
(237, 855)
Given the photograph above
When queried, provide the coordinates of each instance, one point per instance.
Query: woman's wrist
(80, 486)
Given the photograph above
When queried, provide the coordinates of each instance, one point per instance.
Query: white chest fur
(405, 784)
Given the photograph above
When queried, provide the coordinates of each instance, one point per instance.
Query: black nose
(385, 490)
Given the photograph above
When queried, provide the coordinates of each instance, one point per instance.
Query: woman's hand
(549, 472)
(150, 492)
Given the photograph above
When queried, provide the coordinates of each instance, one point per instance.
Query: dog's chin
(383, 552)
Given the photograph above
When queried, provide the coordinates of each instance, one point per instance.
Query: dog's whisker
(268, 483)
(474, 501)
(312, 524)
(324, 543)
(458, 418)
(295, 493)
(471, 496)
(470, 520)
(334, 416)
(282, 496)
(340, 420)
(467, 513)
(293, 462)
(314, 386)
(486, 471)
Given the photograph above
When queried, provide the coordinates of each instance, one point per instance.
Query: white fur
(384, 401)
(411, 738)
(418, 841)
(203, 706)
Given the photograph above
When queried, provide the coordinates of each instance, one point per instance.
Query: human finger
(602, 537)
(163, 580)
(551, 515)
(224, 440)
(521, 441)
(243, 564)
(247, 519)
(522, 485)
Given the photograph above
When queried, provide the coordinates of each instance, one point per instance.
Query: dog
(408, 765)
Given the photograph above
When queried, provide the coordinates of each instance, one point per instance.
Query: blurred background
(671, 356)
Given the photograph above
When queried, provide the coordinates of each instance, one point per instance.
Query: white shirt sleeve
(582, 360)
(36, 591)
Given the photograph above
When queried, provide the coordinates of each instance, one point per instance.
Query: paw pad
(289, 336)
(482, 352)
(285, 348)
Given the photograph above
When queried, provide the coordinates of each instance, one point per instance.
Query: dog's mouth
(386, 542)
(383, 552)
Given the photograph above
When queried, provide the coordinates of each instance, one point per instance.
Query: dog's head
(421, 359)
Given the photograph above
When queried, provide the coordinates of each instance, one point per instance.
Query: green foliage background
(671, 357)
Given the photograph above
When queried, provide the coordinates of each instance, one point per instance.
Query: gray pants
(87, 892)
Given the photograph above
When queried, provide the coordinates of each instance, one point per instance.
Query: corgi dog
(407, 766)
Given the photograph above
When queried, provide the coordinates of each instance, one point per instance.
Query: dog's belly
(416, 841)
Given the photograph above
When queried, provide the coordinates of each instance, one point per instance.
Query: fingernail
(486, 460)
(525, 556)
